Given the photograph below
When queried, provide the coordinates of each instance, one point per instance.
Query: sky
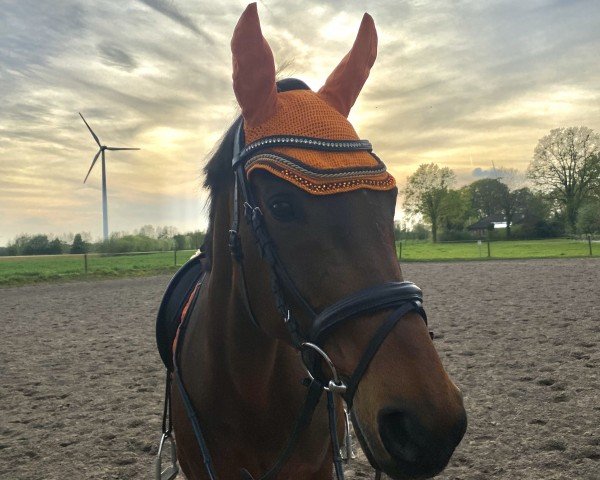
(465, 84)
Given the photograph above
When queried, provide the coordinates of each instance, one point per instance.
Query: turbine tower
(101, 153)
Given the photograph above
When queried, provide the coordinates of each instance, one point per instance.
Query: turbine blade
(121, 148)
(92, 165)
(90, 129)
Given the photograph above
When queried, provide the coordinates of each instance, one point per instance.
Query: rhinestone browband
(305, 142)
(320, 182)
(336, 186)
(295, 165)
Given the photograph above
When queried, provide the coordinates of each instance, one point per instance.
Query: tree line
(564, 196)
(146, 239)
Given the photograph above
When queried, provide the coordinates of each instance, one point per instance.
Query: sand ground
(81, 383)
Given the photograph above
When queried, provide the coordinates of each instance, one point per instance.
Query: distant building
(492, 222)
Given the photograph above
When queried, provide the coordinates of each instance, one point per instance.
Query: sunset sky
(459, 83)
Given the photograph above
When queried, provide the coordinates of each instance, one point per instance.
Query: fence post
(489, 251)
(590, 244)
(85, 265)
(174, 257)
(400, 250)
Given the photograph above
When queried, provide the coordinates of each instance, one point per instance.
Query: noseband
(400, 297)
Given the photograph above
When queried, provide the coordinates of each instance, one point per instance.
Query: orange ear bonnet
(317, 120)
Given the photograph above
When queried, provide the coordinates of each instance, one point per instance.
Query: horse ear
(345, 83)
(253, 69)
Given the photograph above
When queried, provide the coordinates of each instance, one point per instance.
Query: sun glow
(341, 27)
(556, 102)
(165, 136)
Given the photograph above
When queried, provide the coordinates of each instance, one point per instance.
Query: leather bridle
(399, 297)
(402, 297)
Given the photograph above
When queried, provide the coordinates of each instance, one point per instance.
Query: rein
(400, 297)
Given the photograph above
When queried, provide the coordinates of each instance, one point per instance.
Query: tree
(425, 192)
(180, 241)
(166, 232)
(79, 246)
(566, 167)
(510, 204)
(588, 219)
(497, 195)
(37, 245)
(535, 212)
(486, 196)
(18, 245)
(455, 210)
(55, 247)
(197, 238)
(147, 231)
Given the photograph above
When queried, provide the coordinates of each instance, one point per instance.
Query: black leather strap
(245, 299)
(315, 390)
(268, 251)
(335, 443)
(381, 297)
(189, 408)
(191, 413)
(373, 347)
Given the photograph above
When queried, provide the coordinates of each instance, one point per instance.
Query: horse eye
(282, 210)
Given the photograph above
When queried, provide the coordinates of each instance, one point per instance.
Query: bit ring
(335, 385)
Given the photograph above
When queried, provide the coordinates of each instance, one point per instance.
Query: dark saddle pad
(176, 295)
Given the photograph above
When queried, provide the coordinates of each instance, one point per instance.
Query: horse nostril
(414, 449)
(399, 433)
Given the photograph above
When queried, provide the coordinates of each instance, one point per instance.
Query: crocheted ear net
(305, 113)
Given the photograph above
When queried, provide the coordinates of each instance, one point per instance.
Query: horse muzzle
(414, 450)
(403, 448)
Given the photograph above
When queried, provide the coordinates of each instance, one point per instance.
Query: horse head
(329, 214)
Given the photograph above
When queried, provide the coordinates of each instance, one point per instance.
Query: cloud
(452, 83)
(113, 55)
(169, 9)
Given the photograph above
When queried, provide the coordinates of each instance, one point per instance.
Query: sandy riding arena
(81, 382)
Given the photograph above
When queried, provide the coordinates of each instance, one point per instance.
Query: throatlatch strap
(245, 298)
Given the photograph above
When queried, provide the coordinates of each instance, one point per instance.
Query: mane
(218, 177)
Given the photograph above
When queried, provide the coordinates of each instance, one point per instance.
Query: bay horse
(301, 293)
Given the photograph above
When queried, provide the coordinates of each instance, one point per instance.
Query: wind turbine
(101, 152)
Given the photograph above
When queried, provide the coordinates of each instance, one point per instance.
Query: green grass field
(511, 249)
(23, 270)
